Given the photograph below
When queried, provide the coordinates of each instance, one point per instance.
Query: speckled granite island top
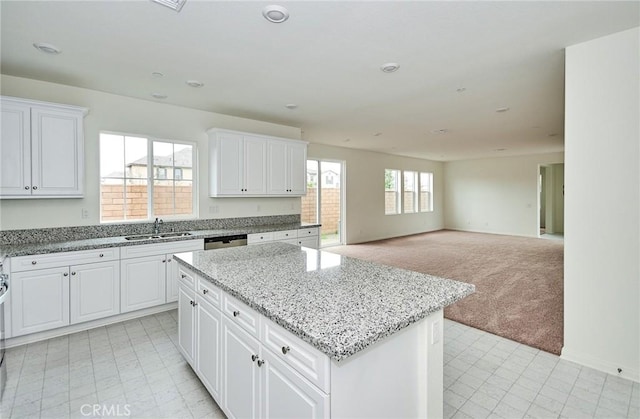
(338, 304)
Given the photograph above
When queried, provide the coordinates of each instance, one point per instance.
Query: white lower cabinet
(94, 291)
(252, 367)
(143, 282)
(309, 237)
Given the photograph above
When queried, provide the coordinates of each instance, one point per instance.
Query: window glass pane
(426, 192)
(410, 191)
(309, 205)
(135, 157)
(111, 156)
(137, 199)
(112, 199)
(183, 160)
(391, 191)
(183, 198)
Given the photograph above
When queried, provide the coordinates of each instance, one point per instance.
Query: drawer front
(186, 277)
(152, 249)
(242, 315)
(304, 358)
(54, 260)
(209, 292)
(259, 237)
(307, 232)
(285, 234)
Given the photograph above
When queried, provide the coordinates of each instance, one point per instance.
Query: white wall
(109, 112)
(498, 195)
(602, 227)
(364, 186)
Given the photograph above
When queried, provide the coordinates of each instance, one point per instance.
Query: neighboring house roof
(182, 158)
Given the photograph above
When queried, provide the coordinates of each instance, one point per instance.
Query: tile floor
(134, 369)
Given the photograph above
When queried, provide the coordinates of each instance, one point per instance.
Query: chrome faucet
(156, 226)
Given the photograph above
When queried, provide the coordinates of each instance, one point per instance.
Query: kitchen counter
(340, 305)
(24, 249)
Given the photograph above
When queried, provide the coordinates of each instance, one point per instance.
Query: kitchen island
(278, 330)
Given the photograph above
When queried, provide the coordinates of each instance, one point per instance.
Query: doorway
(324, 201)
(551, 200)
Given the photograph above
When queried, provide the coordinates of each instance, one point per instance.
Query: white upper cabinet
(243, 164)
(287, 167)
(42, 150)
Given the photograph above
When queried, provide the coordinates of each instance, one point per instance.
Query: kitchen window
(142, 178)
(391, 191)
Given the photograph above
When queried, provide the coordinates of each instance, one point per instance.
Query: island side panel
(400, 376)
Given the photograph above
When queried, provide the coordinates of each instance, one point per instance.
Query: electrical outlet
(213, 209)
(85, 213)
(258, 208)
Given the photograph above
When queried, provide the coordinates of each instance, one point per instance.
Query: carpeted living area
(519, 280)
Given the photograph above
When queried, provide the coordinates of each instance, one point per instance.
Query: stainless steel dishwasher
(225, 241)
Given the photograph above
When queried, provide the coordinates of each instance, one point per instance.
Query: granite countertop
(336, 303)
(25, 249)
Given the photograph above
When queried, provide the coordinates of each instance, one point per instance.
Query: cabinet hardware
(236, 313)
(169, 260)
(285, 349)
(73, 273)
(164, 261)
(183, 276)
(204, 291)
(35, 187)
(26, 187)
(33, 262)
(261, 362)
(101, 255)
(254, 357)
(65, 274)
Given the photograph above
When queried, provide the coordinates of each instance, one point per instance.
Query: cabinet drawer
(187, 277)
(285, 234)
(54, 260)
(304, 358)
(152, 249)
(209, 292)
(306, 232)
(241, 314)
(259, 237)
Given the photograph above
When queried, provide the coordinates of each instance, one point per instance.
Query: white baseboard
(67, 330)
(601, 365)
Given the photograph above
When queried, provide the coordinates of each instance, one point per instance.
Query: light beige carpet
(519, 280)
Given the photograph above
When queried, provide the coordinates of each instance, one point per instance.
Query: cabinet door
(229, 165)
(15, 143)
(143, 282)
(255, 156)
(277, 168)
(172, 279)
(297, 168)
(208, 346)
(186, 323)
(94, 291)
(240, 376)
(286, 394)
(57, 152)
(39, 300)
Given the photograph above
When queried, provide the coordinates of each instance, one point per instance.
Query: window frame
(398, 191)
(151, 178)
(429, 207)
(413, 208)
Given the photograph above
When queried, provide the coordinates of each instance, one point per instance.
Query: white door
(94, 291)
(297, 167)
(255, 155)
(229, 169)
(286, 394)
(277, 174)
(186, 323)
(15, 143)
(39, 300)
(241, 384)
(172, 279)
(57, 152)
(208, 346)
(143, 282)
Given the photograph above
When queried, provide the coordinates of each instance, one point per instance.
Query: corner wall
(602, 227)
(108, 112)
(498, 195)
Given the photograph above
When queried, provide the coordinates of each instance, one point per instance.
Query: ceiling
(459, 62)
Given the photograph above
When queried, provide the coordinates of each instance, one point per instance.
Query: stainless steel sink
(157, 236)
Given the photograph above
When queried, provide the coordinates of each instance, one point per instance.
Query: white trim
(601, 365)
(31, 102)
(62, 331)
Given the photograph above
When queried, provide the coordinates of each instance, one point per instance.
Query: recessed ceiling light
(291, 106)
(346, 140)
(499, 149)
(439, 131)
(552, 135)
(47, 48)
(503, 109)
(389, 67)
(159, 96)
(461, 89)
(172, 4)
(275, 13)
(194, 83)
(157, 75)
(377, 134)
